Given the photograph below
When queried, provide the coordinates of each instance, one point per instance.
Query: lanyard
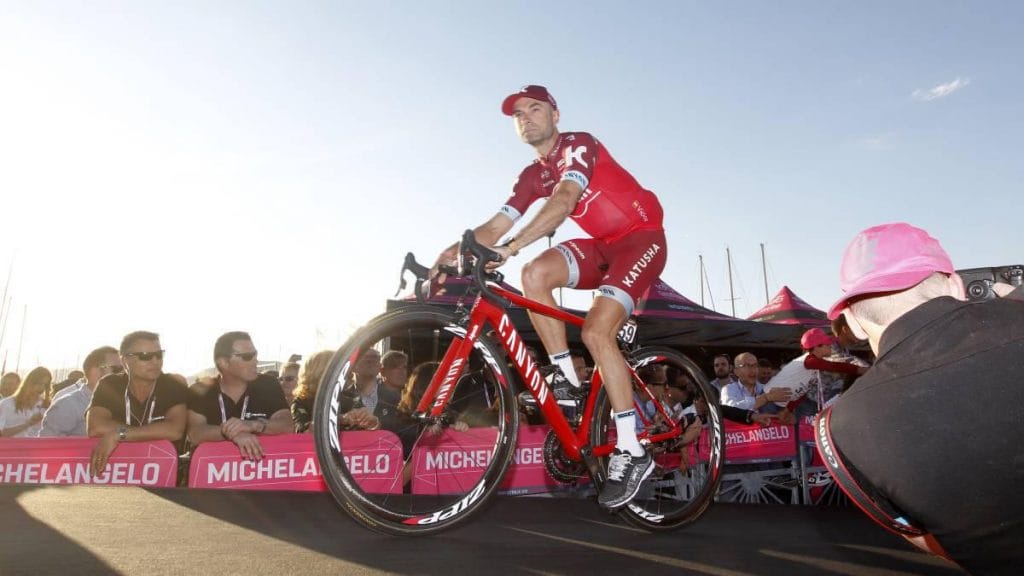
(224, 413)
(150, 404)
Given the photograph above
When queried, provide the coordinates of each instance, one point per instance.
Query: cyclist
(625, 254)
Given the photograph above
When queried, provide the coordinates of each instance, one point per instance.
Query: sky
(197, 167)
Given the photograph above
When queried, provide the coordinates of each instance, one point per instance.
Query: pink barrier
(451, 461)
(806, 428)
(66, 461)
(528, 474)
(748, 444)
(289, 463)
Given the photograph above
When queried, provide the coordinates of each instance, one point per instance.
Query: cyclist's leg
(634, 263)
(558, 268)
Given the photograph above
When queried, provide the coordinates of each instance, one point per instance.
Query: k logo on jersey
(575, 154)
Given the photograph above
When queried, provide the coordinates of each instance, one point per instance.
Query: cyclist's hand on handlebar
(505, 252)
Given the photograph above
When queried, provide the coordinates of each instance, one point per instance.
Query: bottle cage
(867, 497)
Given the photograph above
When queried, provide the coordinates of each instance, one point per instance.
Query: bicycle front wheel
(415, 476)
(686, 475)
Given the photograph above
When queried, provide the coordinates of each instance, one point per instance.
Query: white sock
(564, 361)
(625, 427)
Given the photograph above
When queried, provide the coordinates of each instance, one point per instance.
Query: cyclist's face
(535, 120)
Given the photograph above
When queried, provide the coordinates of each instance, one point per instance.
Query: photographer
(934, 428)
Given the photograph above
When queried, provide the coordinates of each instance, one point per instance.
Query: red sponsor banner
(528, 473)
(66, 461)
(805, 428)
(289, 463)
(452, 461)
(758, 444)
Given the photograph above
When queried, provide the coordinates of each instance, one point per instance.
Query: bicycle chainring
(560, 467)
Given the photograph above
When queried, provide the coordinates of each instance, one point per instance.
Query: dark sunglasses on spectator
(245, 356)
(147, 356)
(288, 378)
(112, 368)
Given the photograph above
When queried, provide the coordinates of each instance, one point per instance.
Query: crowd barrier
(761, 463)
(66, 461)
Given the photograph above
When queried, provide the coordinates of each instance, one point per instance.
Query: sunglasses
(245, 356)
(146, 356)
(112, 368)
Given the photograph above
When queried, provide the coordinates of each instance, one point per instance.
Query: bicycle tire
(670, 499)
(410, 499)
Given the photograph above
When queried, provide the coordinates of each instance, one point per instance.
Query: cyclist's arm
(487, 234)
(562, 202)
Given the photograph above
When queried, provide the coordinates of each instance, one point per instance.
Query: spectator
(844, 336)
(9, 384)
(305, 393)
(66, 414)
(765, 370)
(394, 370)
(74, 377)
(934, 426)
(406, 428)
(242, 404)
(21, 413)
(802, 376)
(289, 380)
(747, 392)
(366, 391)
(579, 365)
(723, 372)
(139, 405)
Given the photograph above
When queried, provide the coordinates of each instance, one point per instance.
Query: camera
(978, 281)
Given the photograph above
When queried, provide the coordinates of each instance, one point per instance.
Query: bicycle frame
(486, 312)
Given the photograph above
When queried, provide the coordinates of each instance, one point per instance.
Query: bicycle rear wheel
(414, 477)
(675, 494)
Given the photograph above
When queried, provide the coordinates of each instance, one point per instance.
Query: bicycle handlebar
(476, 269)
(483, 256)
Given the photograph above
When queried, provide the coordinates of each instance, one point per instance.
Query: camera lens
(978, 290)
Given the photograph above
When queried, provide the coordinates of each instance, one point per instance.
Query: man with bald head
(747, 392)
(933, 429)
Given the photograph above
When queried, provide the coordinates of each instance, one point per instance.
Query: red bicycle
(446, 454)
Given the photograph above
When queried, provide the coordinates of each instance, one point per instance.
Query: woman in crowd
(21, 414)
(289, 380)
(305, 392)
(305, 395)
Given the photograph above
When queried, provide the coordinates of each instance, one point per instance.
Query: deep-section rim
(346, 492)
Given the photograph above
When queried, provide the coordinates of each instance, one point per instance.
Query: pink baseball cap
(532, 91)
(815, 337)
(888, 258)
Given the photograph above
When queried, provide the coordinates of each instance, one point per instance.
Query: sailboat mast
(764, 274)
(732, 298)
(700, 274)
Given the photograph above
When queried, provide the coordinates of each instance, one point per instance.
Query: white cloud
(940, 91)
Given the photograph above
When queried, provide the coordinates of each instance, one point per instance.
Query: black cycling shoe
(562, 388)
(565, 393)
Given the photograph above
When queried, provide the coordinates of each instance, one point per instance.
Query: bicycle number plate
(627, 333)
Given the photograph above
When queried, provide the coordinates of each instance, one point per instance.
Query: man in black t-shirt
(142, 404)
(934, 427)
(241, 405)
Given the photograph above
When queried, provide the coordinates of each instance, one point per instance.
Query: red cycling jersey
(613, 203)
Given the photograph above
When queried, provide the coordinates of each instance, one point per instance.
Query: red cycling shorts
(622, 269)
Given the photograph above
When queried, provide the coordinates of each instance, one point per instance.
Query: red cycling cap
(532, 91)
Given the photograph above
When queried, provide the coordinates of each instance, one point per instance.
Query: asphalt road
(103, 530)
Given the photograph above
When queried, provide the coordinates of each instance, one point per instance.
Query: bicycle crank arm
(597, 473)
